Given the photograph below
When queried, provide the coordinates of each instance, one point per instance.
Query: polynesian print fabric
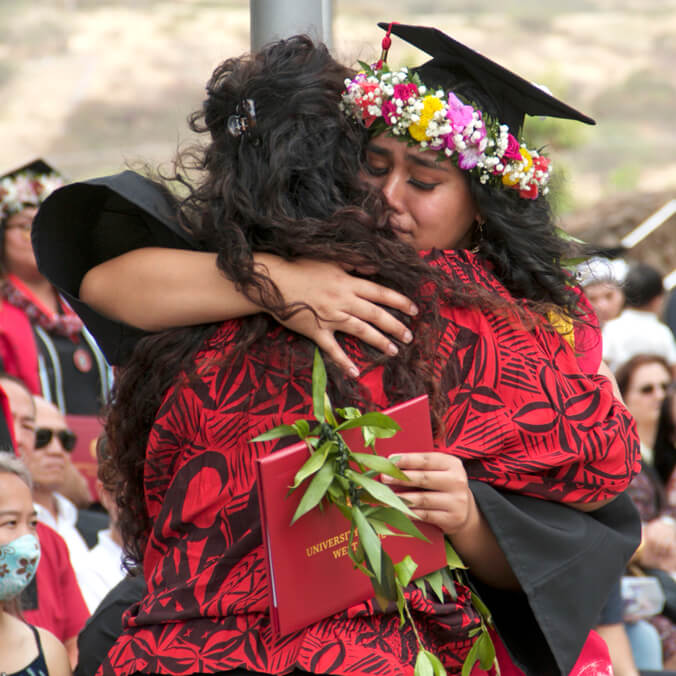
(523, 417)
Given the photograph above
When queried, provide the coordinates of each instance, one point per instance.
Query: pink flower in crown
(469, 158)
(405, 91)
(457, 113)
(389, 111)
(513, 151)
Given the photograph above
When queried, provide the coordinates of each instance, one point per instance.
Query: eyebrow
(414, 157)
(16, 512)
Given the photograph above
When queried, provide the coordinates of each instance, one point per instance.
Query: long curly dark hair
(287, 185)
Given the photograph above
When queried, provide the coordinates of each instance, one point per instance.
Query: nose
(393, 189)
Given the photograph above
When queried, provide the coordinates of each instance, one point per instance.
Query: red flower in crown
(531, 192)
(405, 91)
(541, 163)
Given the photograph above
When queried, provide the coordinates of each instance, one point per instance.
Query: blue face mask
(18, 562)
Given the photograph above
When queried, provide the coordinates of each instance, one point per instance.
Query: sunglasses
(650, 388)
(67, 438)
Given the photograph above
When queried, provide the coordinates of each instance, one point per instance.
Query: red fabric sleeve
(18, 351)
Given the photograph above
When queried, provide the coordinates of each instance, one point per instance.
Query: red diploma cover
(310, 575)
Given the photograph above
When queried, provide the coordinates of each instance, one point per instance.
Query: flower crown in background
(26, 189)
(398, 101)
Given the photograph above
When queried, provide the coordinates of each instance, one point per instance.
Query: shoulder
(55, 654)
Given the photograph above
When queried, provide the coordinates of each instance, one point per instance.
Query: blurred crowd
(54, 383)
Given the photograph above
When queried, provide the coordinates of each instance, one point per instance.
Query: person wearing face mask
(318, 206)
(24, 650)
(53, 599)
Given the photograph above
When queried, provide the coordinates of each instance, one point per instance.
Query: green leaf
(387, 587)
(486, 651)
(452, 558)
(276, 433)
(449, 584)
(423, 666)
(318, 386)
(439, 669)
(379, 464)
(481, 607)
(328, 412)
(313, 463)
(394, 518)
(436, 583)
(405, 570)
(381, 529)
(302, 428)
(348, 413)
(369, 437)
(374, 419)
(369, 541)
(471, 659)
(379, 492)
(315, 490)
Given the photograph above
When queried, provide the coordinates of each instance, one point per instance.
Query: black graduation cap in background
(514, 96)
(37, 166)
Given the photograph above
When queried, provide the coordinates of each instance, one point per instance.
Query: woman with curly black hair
(280, 177)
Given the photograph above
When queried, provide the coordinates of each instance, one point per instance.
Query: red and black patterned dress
(524, 418)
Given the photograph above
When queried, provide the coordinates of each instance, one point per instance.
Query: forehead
(653, 372)
(20, 400)
(14, 493)
(399, 148)
(47, 415)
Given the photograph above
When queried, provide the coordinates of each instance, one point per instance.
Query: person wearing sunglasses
(643, 382)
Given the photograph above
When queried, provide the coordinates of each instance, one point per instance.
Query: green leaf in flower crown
(369, 541)
(397, 520)
(318, 386)
(302, 428)
(380, 492)
(381, 422)
(276, 433)
(313, 463)
(315, 490)
(405, 569)
(379, 464)
(452, 558)
(423, 666)
(436, 582)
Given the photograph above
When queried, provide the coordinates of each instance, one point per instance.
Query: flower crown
(26, 189)
(398, 101)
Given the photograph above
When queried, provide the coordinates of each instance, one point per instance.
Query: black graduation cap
(513, 96)
(37, 166)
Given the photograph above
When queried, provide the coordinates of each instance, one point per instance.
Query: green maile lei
(335, 474)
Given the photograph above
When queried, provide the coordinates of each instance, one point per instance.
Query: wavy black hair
(287, 185)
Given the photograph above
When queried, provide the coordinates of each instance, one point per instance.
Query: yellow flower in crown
(418, 130)
(519, 169)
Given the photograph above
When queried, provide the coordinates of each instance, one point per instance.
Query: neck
(646, 433)
(40, 287)
(45, 498)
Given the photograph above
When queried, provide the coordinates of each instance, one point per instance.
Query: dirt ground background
(92, 85)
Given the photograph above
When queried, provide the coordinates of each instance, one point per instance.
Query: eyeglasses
(67, 438)
(651, 388)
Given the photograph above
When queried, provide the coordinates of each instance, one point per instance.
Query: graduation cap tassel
(385, 44)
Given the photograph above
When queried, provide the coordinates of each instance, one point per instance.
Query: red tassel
(385, 45)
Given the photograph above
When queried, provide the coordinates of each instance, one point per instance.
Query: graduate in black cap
(474, 167)
(43, 341)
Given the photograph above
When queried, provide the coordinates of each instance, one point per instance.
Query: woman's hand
(343, 303)
(438, 493)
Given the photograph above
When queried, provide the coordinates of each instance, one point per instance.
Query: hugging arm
(155, 288)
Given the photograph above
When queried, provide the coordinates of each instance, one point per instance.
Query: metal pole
(275, 19)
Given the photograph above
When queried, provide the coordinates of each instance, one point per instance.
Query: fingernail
(408, 337)
(354, 372)
(392, 349)
(413, 310)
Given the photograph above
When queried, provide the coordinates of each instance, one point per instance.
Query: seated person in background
(638, 329)
(101, 569)
(53, 599)
(601, 279)
(24, 649)
(42, 341)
